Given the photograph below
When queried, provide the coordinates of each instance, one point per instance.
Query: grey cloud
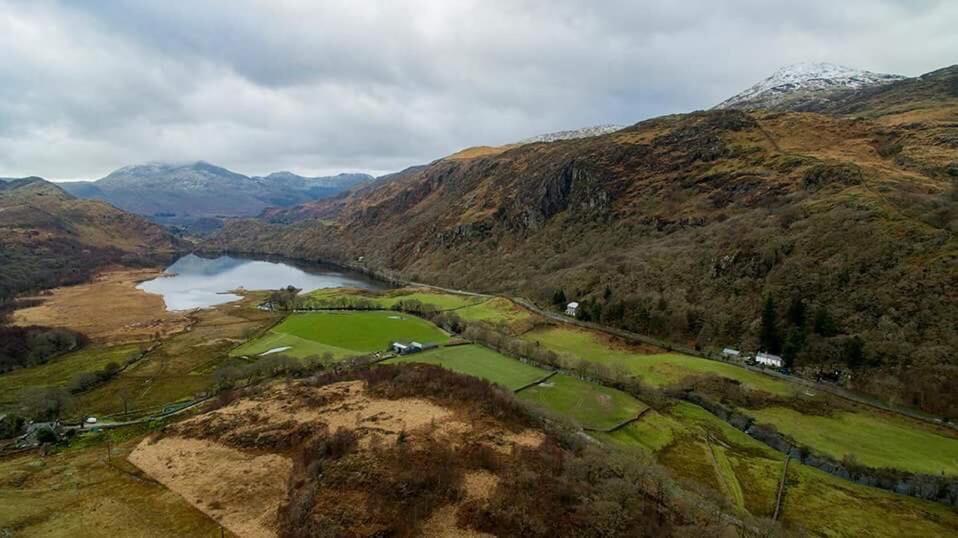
(318, 87)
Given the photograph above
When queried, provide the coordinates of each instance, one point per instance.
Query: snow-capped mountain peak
(805, 81)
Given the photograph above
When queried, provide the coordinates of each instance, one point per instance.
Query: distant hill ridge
(195, 190)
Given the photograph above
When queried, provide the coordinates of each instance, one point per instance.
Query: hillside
(681, 227)
(410, 451)
(183, 193)
(49, 238)
(805, 86)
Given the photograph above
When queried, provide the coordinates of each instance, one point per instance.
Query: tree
(796, 311)
(824, 324)
(45, 403)
(770, 338)
(794, 343)
(558, 298)
(853, 352)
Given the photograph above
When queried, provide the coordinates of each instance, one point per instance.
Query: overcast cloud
(319, 87)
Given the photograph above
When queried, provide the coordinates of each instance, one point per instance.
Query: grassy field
(342, 333)
(77, 492)
(591, 405)
(182, 366)
(746, 471)
(649, 364)
(388, 299)
(60, 370)
(497, 310)
(479, 362)
(874, 440)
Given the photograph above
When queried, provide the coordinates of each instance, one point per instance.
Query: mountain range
(686, 226)
(190, 192)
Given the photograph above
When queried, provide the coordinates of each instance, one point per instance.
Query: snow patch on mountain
(805, 80)
(584, 132)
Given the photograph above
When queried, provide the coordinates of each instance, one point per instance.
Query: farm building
(731, 353)
(769, 360)
(405, 348)
(572, 309)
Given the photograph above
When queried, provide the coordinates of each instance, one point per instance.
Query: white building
(572, 309)
(769, 360)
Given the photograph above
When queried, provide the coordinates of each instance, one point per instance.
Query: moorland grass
(591, 405)
(479, 362)
(75, 492)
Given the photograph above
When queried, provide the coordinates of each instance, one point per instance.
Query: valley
(558, 333)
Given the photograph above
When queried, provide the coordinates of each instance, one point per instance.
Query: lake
(196, 282)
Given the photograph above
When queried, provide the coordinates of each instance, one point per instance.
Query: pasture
(496, 310)
(342, 333)
(648, 363)
(479, 362)
(388, 299)
(593, 406)
(873, 439)
(59, 371)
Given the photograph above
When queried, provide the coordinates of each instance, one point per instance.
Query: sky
(319, 87)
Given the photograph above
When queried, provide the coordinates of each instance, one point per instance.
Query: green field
(388, 299)
(342, 333)
(479, 362)
(874, 440)
(60, 370)
(497, 310)
(591, 405)
(659, 369)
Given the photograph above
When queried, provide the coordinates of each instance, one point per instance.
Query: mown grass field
(59, 371)
(874, 440)
(653, 367)
(591, 405)
(479, 362)
(342, 333)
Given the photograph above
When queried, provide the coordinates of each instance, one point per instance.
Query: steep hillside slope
(805, 86)
(48, 237)
(180, 193)
(682, 226)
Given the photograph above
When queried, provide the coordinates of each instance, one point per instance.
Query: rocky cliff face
(681, 226)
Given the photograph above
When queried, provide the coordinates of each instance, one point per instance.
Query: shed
(731, 353)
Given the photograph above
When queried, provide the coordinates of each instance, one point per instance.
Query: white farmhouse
(572, 309)
(769, 360)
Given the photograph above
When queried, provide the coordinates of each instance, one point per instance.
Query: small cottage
(572, 309)
(767, 359)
